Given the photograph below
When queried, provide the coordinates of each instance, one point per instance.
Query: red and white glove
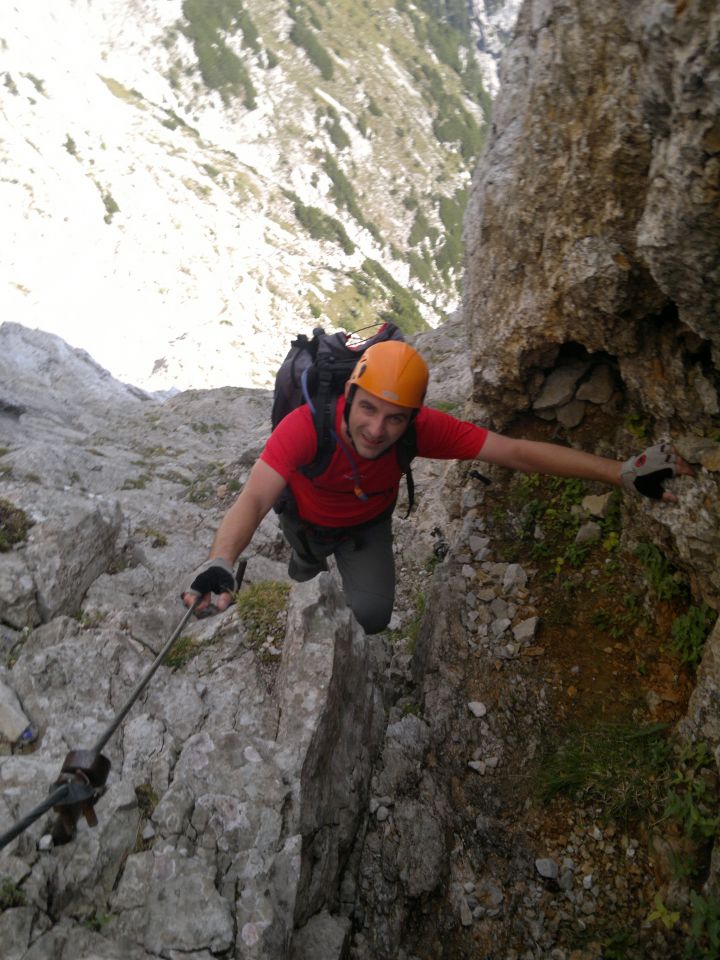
(646, 472)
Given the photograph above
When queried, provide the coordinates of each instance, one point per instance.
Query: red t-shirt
(330, 499)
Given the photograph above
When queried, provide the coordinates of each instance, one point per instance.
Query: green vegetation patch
(624, 768)
(549, 501)
(14, 525)
(304, 37)
(207, 27)
(453, 123)
(340, 139)
(343, 194)
(691, 627)
(183, 651)
(111, 207)
(401, 308)
(10, 895)
(452, 212)
(263, 610)
(665, 581)
(321, 226)
(689, 632)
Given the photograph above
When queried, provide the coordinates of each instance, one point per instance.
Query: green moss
(14, 525)
(263, 609)
(10, 895)
(184, 650)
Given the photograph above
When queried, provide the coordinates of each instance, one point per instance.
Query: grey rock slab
(18, 592)
(589, 532)
(71, 543)
(419, 848)
(68, 940)
(597, 505)
(599, 386)
(514, 578)
(402, 752)
(329, 719)
(477, 709)
(699, 450)
(324, 937)
(13, 720)
(17, 926)
(560, 385)
(526, 629)
(571, 414)
(547, 868)
(158, 902)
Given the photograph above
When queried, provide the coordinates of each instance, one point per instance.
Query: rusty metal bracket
(84, 773)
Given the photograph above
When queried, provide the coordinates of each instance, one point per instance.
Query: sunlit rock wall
(593, 240)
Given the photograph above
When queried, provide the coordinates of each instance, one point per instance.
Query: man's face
(374, 424)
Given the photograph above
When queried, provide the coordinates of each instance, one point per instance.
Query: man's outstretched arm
(531, 456)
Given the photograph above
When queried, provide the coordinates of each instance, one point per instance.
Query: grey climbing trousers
(364, 558)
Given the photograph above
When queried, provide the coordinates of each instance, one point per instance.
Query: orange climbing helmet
(391, 370)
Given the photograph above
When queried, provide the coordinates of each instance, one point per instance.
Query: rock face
(239, 779)
(593, 241)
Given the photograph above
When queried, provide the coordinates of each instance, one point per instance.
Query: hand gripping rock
(646, 472)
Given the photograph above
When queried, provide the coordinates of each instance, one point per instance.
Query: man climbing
(347, 510)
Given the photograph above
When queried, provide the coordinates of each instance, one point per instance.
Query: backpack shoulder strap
(406, 451)
(324, 421)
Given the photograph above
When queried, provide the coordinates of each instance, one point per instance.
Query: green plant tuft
(184, 650)
(690, 631)
(10, 895)
(692, 798)
(263, 610)
(667, 583)
(14, 525)
(704, 940)
(620, 767)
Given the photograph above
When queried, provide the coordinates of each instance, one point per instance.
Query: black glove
(646, 472)
(214, 576)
